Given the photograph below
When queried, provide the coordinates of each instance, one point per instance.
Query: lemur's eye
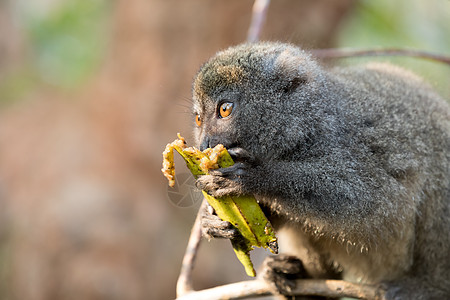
(225, 109)
(198, 120)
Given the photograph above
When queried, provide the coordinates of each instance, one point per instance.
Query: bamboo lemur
(352, 165)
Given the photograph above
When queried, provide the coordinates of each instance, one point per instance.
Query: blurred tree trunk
(86, 205)
(12, 45)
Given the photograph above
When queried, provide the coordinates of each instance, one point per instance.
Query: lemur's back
(406, 128)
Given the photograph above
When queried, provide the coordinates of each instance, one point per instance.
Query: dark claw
(236, 170)
(216, 186)
(214, 227)
(218, 229)
(222, 182)
(240, 154)
(281, 271)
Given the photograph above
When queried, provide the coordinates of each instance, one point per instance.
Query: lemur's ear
(289, 68)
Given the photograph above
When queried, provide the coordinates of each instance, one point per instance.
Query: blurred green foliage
(65, 43)
(410, 24)
(69, 41)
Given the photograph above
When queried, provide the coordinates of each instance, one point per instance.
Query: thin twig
(343, 52)
(259, 13)
(305, 287)
(184, 283)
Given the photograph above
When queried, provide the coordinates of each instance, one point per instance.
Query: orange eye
(198, 120)
(225, 109)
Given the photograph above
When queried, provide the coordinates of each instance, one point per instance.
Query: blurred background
(90, 94)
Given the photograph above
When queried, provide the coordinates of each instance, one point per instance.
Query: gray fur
(352, 164)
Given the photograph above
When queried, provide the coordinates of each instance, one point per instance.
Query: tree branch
(184, 283)
(305, 287)
(343, 53)
(259, 13)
